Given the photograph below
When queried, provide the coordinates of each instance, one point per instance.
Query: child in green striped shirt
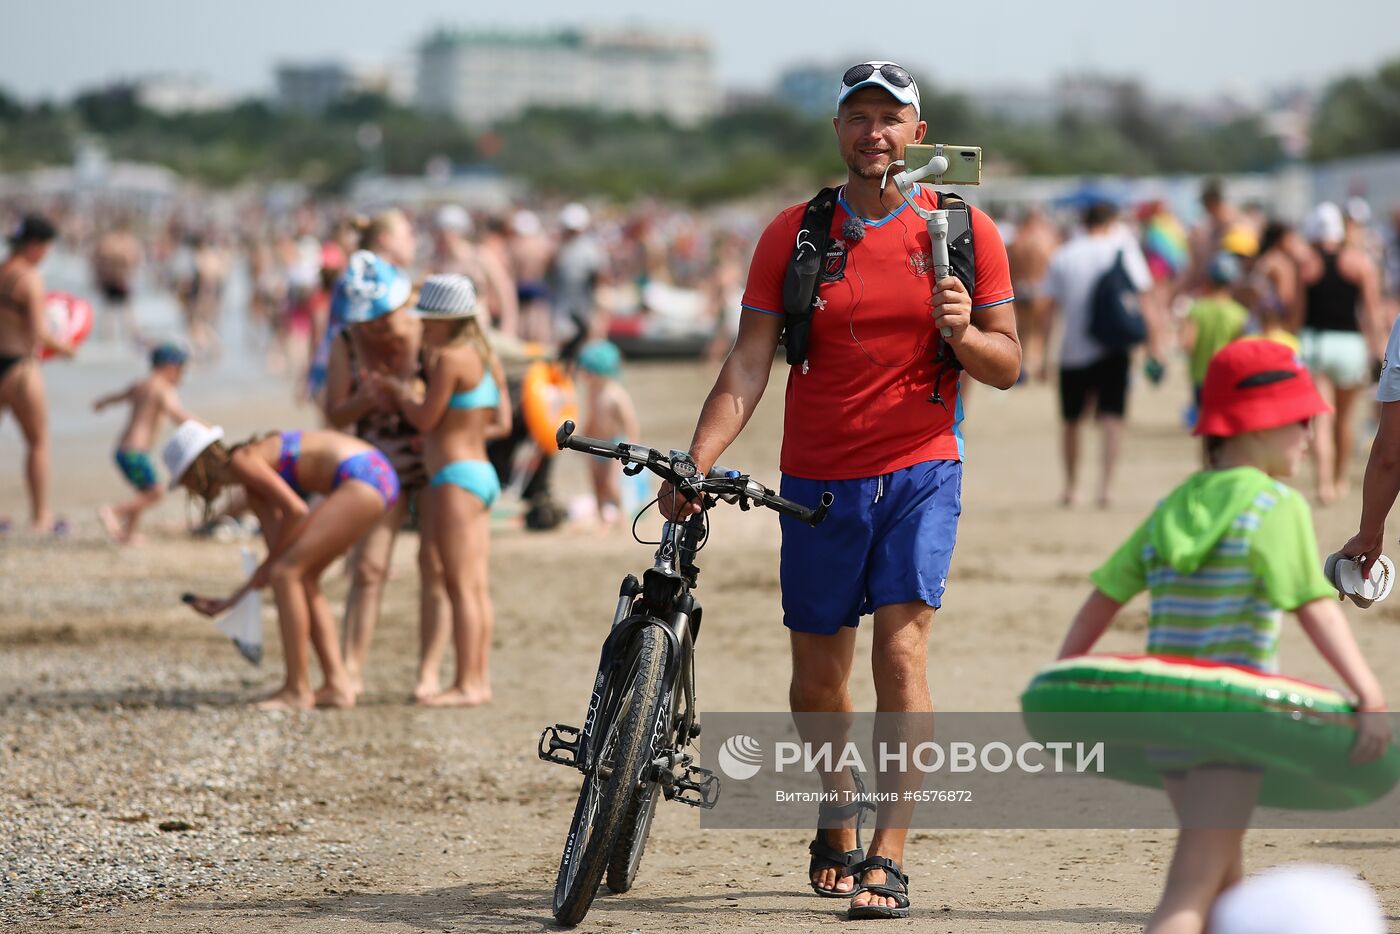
(1222, 557)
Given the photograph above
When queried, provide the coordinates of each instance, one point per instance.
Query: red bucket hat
(1255, 385)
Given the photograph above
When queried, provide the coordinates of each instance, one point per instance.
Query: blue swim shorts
(137, 468)
(887, 540)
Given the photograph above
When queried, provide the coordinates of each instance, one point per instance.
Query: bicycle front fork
(564, 744)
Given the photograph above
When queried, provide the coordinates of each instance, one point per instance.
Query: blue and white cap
(447, 297)
(891, 77)
(373, 288)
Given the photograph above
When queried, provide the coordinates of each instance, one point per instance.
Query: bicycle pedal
(560, 743)
(696, 787)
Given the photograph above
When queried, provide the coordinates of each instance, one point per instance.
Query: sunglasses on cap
(889, 71)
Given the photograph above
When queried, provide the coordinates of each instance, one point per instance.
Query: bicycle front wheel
(607, 795)
(636, 825)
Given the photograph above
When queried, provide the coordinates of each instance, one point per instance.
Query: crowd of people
(1329, 288)
(411, 382)
(411, 374)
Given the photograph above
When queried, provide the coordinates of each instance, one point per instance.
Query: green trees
(751, 149)
(1358, 115)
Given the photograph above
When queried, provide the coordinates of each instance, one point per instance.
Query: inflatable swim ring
(1298, 732)
(547, 398)
(68, 317)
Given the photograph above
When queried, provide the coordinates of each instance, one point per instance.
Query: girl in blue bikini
(277, 471)
(462, 409)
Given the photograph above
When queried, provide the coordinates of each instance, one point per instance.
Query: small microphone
(853, 229)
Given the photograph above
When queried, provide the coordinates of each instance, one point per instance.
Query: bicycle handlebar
(732, 486)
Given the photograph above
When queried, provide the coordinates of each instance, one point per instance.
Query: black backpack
(1115, 310)
(804, 271)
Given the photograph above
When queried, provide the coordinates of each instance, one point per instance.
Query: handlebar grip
(805, 513)
(567, 440)
(566, 430)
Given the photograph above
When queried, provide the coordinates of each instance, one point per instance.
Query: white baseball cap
(1358, 210)
(893, 78)
(526, 223)
(453, 218)
(1325, 224)
(189, 441)
(575, 217)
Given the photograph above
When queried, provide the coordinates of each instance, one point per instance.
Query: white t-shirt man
(1074, 271)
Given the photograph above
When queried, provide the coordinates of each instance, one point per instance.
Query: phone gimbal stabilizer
(937, 221)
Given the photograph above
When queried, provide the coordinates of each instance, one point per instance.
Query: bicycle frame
(662, 599)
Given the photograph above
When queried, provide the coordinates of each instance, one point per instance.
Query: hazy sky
(1182, 47)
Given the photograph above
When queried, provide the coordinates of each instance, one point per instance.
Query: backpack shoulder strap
(804, 272)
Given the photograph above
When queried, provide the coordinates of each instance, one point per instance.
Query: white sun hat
(189, 441)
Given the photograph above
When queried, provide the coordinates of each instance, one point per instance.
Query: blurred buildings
(481, 77)
(310, 88)
(809, 88)
(172, 94)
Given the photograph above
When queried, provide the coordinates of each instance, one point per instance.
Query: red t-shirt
(862, 408)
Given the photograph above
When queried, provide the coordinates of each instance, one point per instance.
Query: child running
(276, 472)
(152, 399)
(462, 409)
(1222, 556)
(611, 415)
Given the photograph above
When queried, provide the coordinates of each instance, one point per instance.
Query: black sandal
(895, 886)
(826, 856)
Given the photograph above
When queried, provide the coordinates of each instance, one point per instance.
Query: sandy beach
(138, 794)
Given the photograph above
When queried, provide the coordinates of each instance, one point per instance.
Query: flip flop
(1345, 575)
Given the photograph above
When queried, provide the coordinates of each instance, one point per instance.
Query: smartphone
(964, 163)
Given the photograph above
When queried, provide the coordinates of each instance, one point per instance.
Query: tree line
(750, 149)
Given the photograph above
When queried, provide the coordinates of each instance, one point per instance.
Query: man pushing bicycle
(872, 414)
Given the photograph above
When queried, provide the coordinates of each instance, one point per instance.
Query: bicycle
(641, 715)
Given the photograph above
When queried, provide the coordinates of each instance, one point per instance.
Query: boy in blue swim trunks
(152, 399)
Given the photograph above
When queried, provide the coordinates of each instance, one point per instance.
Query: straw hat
(446, 297)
